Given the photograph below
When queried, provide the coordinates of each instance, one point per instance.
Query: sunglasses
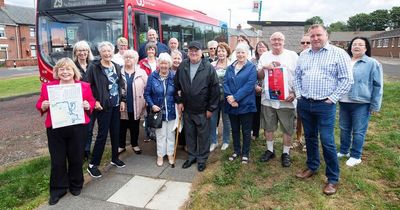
(304, 42)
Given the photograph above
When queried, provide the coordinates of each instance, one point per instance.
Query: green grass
(26, 186)
(375, 184)
(19, 86)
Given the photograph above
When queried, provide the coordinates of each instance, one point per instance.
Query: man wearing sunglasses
(304, 43)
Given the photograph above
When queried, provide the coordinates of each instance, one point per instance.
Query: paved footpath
(140, 185)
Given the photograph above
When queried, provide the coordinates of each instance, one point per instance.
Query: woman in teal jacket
(364, 98)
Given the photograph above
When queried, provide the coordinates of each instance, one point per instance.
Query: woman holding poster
(66, 143)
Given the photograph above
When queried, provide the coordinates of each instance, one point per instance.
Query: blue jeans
(107, 121)
(226, 125)
(245, 121)
(353, 122)
(318, 117)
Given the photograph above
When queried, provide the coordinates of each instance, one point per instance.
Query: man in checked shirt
(322, 76)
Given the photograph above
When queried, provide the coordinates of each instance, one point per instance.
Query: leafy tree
(313, 20)
(394, 15)
(380, 19)
(337, 26)
(360, 22)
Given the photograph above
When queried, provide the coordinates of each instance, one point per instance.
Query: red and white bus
(61, 23)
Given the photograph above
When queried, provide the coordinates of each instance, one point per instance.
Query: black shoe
(286, 160)
(201, 167)
(268, 155)
(75, 192)
(188, 163)
(137, 150)
(94, 172)
(118, 163)
(54, 199)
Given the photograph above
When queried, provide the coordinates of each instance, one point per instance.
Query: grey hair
(212, 43)
(132, 53)
(101, 45)
(82, 45)
(242, 47)
(165, 57)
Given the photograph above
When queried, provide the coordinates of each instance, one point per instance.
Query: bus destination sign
(76, 3)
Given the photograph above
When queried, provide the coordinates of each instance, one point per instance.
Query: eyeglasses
(212, 48)
(304, 42)
(82, 50)
(358, 45)
(129, 58)
(65, 69)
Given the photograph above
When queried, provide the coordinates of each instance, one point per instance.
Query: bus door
(144, 22)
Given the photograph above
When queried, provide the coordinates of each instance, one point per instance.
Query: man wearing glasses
(304, 43)
(212, 51)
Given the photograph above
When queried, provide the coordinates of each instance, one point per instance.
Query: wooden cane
(176, 140)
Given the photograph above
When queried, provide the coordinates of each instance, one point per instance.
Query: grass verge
(19, 86)
(375, 184)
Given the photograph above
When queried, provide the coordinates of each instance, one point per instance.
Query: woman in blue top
(239, 82)
(159, 95)
(364, 98)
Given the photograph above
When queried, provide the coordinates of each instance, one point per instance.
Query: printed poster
(276, 84)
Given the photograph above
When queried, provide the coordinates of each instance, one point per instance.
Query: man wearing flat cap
(197, 95)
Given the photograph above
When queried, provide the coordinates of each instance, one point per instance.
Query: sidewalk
(140, 185)
(388, 60)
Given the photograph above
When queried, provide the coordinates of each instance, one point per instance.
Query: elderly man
(173, 44)
(275, 110)
(323, 75)
(212, 51)
(197, 92)
(152, 36)
(304, 43)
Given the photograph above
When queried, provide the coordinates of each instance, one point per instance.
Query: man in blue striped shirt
(322, 76)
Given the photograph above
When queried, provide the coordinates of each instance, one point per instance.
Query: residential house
(252, 35)
(343, 38)
(386, 44)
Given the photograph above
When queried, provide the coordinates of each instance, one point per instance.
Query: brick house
(17, 35)
(252, 34)
(343, 38)
(386, 44)
(293, 31)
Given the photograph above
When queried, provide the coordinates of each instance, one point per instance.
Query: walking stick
(176, 140)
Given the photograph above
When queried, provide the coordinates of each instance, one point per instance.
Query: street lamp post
(230, 18)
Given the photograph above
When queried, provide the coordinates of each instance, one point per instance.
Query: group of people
(239, 87)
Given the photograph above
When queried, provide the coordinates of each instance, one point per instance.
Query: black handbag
(154, 119)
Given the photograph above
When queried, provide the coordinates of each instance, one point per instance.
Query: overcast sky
(273, 10)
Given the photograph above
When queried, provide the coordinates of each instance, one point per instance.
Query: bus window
(58, 32)
(143, 23)
(131, 43)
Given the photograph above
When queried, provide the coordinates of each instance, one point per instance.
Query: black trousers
(197, 136)
(66, 147)
(256, 118)
(133, 126)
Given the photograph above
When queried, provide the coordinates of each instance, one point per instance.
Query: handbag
(154, 119)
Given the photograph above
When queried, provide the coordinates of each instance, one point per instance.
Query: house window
(385, 42)
(32, 31)
(392, 39)
(398, 42)
(379, 43)
(2, 31)
(373, 44)
(33, 50)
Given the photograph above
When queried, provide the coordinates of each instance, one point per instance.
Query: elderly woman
(176, 56)
(261, 47)
(149, 63)
(135, 82)
(122, 45)
(239, 82)
(82, 56)
(220, 66)
(159, 96)
(364, 98)
(65, 143)
(106, 81)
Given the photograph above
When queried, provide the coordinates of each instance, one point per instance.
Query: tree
(360, 22)
(337, 26)
(395, 17)
(380, 19)
(313, 20)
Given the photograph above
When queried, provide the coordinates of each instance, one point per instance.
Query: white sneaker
(212, 147)
(224, 146)
(340, 155)
(353, 161)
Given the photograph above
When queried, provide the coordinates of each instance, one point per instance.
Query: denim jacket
(368, 82)
(154, 94)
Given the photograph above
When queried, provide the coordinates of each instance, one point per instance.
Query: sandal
(245, 160)
(233, 157)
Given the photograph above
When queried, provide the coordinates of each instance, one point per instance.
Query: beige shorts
(270, 118)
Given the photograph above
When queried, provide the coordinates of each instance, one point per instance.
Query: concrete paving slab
(142, 165)
(171, 196)
(138, 192)
(83, 203)
(102, 188)
(178, 173)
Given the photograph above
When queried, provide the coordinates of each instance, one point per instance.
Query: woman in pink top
(66, 144)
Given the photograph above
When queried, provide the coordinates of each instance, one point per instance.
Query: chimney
(238, 27)
(2, 3)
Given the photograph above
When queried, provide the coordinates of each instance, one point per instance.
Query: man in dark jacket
(197, 93)
(152, 36)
